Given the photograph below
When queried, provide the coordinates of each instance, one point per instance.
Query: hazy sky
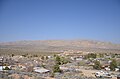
(60, 19)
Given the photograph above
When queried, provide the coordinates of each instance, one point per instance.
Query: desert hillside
(58, 46)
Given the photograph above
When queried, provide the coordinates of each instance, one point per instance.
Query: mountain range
(58, 46)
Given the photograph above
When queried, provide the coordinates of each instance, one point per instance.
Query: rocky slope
(59, 45)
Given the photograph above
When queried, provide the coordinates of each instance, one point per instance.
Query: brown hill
(59, 45)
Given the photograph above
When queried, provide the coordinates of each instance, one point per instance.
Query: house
(64, 68)
(3, 67)
(107, 68)
(79, 58)
(117, 69)
(40, 70)
(105, 64)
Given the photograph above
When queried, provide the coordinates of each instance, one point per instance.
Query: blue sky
(60, 19)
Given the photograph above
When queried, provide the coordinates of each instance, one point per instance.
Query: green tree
(113, 65)
(119, 63)
(43, 65)
(42, 57)
(113, 55)
(101, 55)
(61, 60)
(24, 55)
(13, 55)
(97, 65)
(35, 55)
(46, 57)
(58, 60)
(91, 55)
(64, 60)
(56, 68)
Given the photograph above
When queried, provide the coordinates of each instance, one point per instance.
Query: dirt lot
(90, 73)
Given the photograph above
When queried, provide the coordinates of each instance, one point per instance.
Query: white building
(40, 70)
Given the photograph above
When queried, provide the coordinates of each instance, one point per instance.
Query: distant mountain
(60, 45)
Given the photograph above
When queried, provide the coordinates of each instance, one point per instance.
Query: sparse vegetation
(113, 65)
(56, 68)
(97, 65)
(81, 63)
(58, 60)
(68, 64)
(101, 55)
(61, 60)
(12, 55)
(91, 55)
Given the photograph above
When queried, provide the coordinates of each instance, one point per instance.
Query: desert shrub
(56, 68)
(58, 60)
(90, 55)
(61, 60)
(97, 65)
(113, 65)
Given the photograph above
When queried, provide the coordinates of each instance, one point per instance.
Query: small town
(59, 39)
(66, 65)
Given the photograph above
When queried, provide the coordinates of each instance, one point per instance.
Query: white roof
(40, 70)
(0, 68)
(3, 67)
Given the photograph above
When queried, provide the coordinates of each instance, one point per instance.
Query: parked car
(102, 75)
(98, 75)
(107, 75)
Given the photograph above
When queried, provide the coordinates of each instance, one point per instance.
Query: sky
(60, 19)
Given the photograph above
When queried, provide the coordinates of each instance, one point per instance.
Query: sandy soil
(90, 73)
